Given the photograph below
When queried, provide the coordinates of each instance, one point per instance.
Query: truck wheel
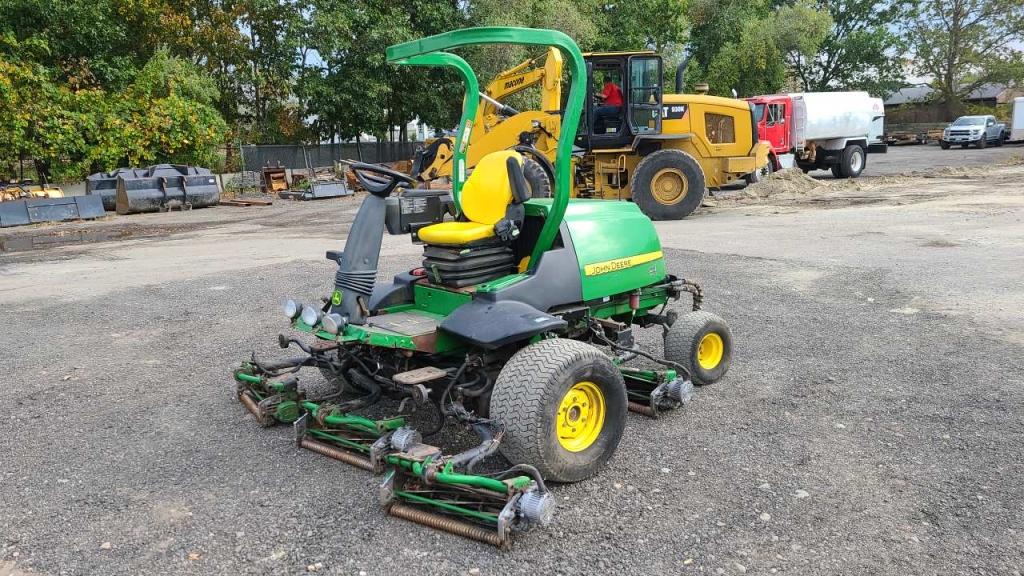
(1000, 140)
(562, 404)
(944, 145)
(759, 175)
(668, 185)
(982, 142)
(536, 179)
(852, 161)
(837, 172)
(702, 342)
(964, 145)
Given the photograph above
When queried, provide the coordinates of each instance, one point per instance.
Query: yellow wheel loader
(662, 151)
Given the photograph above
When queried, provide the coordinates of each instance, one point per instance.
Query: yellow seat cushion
(488, 192)
(455, 233)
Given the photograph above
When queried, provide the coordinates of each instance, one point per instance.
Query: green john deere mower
(517, 326)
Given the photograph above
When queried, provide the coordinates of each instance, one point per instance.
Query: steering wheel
(381, 180)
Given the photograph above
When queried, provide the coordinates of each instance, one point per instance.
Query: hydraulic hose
(523, 469)
(470, 458)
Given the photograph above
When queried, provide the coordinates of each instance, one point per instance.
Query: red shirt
(612, 95)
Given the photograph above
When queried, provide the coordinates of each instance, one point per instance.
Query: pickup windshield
(970, 121)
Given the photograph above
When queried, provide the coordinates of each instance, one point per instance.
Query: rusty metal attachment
(447, 524)
(336, 453)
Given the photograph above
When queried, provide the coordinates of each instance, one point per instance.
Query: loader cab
(638, 77)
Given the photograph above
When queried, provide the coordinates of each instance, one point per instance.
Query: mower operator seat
(485, 198)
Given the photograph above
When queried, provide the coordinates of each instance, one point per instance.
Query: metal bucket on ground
(165, 187)
(35, 210)
(104, 185)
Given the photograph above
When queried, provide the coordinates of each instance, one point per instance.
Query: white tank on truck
(821, 130)
(831, 115)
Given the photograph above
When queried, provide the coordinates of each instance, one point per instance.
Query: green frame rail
(469, 108)
(409, 52)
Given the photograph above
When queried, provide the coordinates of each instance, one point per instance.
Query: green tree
(860, 52)
(756, 61)
(965, 44)
(659, 25)
(350, 89)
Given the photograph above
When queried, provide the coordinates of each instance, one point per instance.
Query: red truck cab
(774, 116)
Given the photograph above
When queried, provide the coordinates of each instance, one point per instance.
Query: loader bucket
(104, 185)
(35, 210)
(164, 187)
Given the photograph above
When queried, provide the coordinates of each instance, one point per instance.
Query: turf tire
(526, 399)
(683, 339)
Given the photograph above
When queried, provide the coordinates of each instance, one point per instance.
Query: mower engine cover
(616, 245)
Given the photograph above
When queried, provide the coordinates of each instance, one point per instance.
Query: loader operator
(610, 108)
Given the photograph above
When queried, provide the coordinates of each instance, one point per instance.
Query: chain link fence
(298, 157)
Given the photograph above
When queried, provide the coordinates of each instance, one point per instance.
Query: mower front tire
(562, 405)
(702, 342)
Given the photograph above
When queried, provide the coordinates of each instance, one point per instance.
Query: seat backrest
(488, 191)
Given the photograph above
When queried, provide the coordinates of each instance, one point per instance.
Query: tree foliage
(90, 84)
(860, 50)
(965, 44)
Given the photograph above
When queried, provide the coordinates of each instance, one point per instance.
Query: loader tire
(702, 342)
(668, 185)
(536, 179)
(562, 405)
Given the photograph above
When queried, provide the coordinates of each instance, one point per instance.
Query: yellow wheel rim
(710, 351)
(580, 416)
(669, 186)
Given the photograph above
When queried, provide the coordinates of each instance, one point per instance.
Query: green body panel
(608, 233)
(503, 282)
(374, 336)
(438, 300)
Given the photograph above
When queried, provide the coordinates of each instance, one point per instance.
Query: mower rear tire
(702, 342)
(562, 405)
(537, 179)
(668, 185)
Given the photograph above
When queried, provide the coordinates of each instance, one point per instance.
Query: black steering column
(357, 264)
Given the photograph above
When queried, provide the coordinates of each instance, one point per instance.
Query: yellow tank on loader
(662, 151)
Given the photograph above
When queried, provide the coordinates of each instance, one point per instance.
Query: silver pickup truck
(978, 130)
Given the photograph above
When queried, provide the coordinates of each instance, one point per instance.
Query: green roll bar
(406, 52)
(469, 106)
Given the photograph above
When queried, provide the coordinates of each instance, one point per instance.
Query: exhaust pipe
(679, 73)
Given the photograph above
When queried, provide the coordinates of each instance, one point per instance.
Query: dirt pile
(788, 184)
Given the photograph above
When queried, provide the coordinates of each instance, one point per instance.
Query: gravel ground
(863, 429)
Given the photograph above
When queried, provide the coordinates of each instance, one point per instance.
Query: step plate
(405, 323)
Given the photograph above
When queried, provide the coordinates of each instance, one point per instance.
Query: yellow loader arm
(497, 126)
